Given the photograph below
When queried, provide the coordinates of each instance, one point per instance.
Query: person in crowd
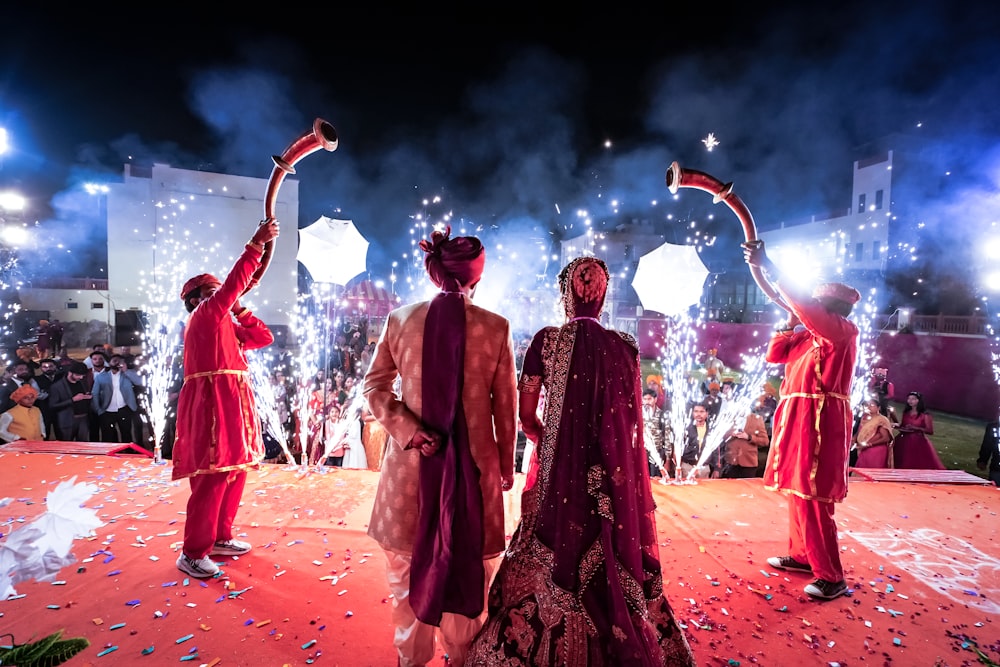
(24, 421)
(695, 442)
(43, 342)
(56, 331)
(329, 445)
(584, 557)
(741, 445)
(49, 374)
(439, 509)
(768, 402)
(713, 400)
(218, 428)
(809, 454)
(989, 452)
(114, 402)
(69, 400)
(169, 433)
(714, 368)
(350, 435)
(21, 372)
(883, 390)
(913, 449)
(97, 360)
(873, 439)
(656, 428)
(655, 382)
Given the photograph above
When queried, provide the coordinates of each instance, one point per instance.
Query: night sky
(503, 111)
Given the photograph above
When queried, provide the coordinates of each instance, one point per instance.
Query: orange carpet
(922, 559)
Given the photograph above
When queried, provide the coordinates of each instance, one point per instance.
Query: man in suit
(449, 459)
(114, 402)
(69, 400)
(50, 373)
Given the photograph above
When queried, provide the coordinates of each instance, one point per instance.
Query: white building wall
(177, 223)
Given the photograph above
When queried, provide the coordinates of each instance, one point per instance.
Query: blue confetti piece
(970, 592)
(220, 598)
(309, 644)
(147, 651)
(248, 621)
(108, 559)
(181, 640)
(133, 603)
(110, 649)
(114, 572)
(889, 588)
(896, 641)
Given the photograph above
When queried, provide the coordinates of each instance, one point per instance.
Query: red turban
(22, 391)
(198, 281)
(448, 260)
(838, 291)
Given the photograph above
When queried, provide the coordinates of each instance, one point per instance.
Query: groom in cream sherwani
(438, 511)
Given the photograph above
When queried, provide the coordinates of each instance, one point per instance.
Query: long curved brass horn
(322, 135)
(723, 192)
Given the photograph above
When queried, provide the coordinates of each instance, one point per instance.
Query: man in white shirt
(114, 402)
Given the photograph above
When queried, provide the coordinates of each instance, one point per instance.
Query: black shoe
(826, 590)
(788, 563)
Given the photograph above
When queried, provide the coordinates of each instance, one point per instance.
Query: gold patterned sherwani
(489, 398)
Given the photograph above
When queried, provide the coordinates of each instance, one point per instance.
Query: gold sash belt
(224, 371)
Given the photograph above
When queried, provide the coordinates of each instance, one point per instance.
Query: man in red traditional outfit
(812, 425)
(218, 430)
(438, 511)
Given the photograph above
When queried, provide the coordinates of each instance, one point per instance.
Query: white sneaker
(199, 568)
(230, 547)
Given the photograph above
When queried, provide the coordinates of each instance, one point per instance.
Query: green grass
(957, 440)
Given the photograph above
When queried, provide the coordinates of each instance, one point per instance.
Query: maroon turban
(459, 259)
(838, 291)
(199, 281)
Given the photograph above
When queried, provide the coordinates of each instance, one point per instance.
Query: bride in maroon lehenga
(580, 583)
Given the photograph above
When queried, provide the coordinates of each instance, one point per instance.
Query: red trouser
(211, 510)
(812, 537)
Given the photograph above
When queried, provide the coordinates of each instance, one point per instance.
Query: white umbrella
(333, 251)
(670, 279)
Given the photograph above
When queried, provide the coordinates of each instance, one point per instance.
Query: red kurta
(812, 424)
(218, 428)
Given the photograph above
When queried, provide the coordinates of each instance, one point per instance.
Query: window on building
(859, 252)
(878, 199)
(861, 203)
(876, 250)
(96, 305)
(72, 305)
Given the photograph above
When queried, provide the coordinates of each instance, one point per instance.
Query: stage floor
(922, 559)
